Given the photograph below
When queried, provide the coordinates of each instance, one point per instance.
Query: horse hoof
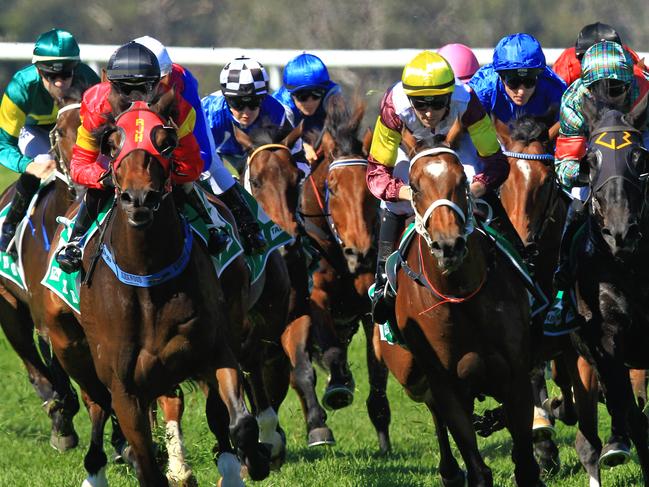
(96, 480)
(189, 481)
(320, 436)
(460, 480)
(542, 430)
(63, 443)
(337, 397)
(614, 453)
(547, 456)
(278, 459)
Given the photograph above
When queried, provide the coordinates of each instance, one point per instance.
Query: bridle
(62, 171)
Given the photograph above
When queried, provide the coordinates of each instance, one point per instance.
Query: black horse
(612, 288)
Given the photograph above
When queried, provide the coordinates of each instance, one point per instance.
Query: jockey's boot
(252, 239)
(70, 257)
(218, 239)
(383, 299)
(26, 188)
(563, 277)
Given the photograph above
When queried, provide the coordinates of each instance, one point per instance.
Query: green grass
(28, 460)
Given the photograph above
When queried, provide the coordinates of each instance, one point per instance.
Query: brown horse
(340, 216)
(176, 328)
(463, 314)
(274, 178)
(22, 309)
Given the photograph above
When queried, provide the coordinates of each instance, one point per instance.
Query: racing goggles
(305, 95)
(128, 88)
(240, 102)
(514, 82)
(423, 103)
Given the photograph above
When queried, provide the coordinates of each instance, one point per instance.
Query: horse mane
(268, 133)
(528, 129)
(72, 94)
(342, 124)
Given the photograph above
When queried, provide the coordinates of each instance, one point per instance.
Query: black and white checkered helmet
(244, 77)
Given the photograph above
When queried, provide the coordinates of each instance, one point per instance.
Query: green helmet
(56, 51)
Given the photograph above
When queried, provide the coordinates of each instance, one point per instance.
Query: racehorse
(340, 217)
(22, 309)
(134, 343)
(273, 179)
(464, 320)
(612, 284)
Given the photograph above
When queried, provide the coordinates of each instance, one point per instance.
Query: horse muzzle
(140, 206)
(449, 253)
(623, 243)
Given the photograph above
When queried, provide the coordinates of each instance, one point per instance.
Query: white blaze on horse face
(524, 168)
(436, 169)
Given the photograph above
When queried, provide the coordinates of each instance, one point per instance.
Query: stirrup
(8, 234)
(69, 258)
(217, 241)
(253, 240)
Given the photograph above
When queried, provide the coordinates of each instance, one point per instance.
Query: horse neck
(147, 250)
(57, 204)
(313, 195)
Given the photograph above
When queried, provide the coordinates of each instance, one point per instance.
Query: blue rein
(159, 277)
(530, 157)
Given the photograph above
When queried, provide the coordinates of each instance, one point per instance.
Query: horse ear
(367, 141)
(165, 104)
(242, 138)
(453, 135)
(357, 117)
(327, 143)
(409, 141)
(502, 130)
(292, 137)
(589, 109)
(104, 75)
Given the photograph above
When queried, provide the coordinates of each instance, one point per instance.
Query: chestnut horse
(612, 287)
(463, 313)
(273, 178)
(22, 309)
(139, 342)
(341, 216)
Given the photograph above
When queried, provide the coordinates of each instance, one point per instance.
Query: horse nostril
(152, 199)
(126, 198)
(348, 251)
(459, 244)
(633, 232)
(606, 231)
(436, 245)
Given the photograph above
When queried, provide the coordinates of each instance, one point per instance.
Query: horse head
(617, 167)
(441, 200)
(64, 134)
(140, 145)
(530, 194)
(272, 174)
(347, 197)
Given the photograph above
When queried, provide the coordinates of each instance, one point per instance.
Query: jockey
(133, 74)
(517, 82)
(462, 60)
(305, 92)
(607, 74)
(221, 181)
(568, 64)
(28, 112)
(243, 102)
(428, 100)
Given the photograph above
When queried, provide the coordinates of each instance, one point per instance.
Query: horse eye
(254, 183)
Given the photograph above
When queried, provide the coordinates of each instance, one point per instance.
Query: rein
(529, 157)
(263, 148)
(62, 172)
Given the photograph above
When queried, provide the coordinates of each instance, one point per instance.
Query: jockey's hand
(309, 153)
(405, 194)
(41, 168)
(478, 189)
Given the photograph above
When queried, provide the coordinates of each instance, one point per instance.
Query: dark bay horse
(133, 344)
(340, 215)
(464, 319)
(273, 178)
(21, 310)
(612, 287)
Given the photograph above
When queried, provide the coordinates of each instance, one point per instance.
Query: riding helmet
(304, 72)
(428, 74)
(56, 51)
(133, 62)
(593, 33)
(244, 77)
(462, 60)
(518, 52)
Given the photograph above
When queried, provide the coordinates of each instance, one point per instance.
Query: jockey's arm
(571, 144)
(84, 166)
(495, 167)
(381, 160)
(12, 119)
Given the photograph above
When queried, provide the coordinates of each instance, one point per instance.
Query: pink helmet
(461, 59)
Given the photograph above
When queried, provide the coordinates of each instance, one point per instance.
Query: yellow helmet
(428, 74)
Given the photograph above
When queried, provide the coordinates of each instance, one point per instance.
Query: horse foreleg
(449, 470)
(638, 429)
(133, 416)
(95, 460)
(378, 407)
(303, 379)
(244, 431)
(639, 385)
(172, 406)
(518, 406)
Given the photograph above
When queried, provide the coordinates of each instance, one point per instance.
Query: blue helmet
(305, 71)
(518, 51)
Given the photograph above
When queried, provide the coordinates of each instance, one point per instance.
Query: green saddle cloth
(66, 286)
